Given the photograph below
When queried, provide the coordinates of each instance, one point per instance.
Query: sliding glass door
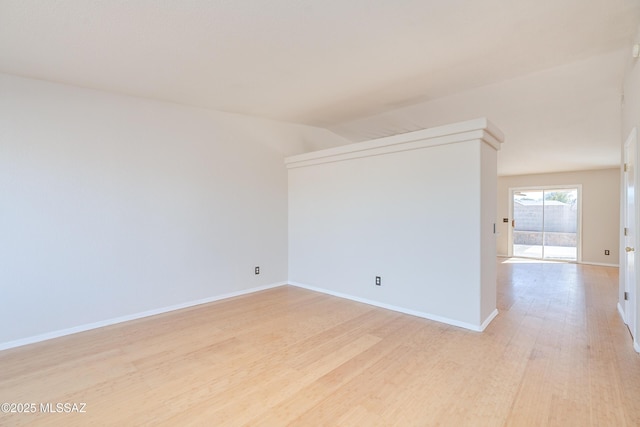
(545, 223)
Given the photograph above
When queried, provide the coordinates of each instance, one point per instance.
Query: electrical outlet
(257, 270)
(378, 281)
(606, 251)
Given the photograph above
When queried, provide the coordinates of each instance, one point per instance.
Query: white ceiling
(360, 68)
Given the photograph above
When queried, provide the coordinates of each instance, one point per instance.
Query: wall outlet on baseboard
(257, 270)
(606, 251)
(378, 281)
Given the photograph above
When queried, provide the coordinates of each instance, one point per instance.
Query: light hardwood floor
(558, 354)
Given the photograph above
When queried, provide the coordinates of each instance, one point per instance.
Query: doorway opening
(546, 223)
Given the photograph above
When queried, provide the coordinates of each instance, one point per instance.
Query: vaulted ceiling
(548, 72)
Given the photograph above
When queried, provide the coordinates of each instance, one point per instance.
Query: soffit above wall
(472, 130)
(563, 119)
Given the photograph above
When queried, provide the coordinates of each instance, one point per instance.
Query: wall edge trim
(471, 130)
(428, 316)
(601, 264)
(489, 319)
(621, 312)
(121, 319)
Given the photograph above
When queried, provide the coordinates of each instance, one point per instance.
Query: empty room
(319, 213)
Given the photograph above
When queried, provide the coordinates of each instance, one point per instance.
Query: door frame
(628, 308)
(513, 190)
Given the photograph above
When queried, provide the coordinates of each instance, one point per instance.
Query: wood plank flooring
(557, 354)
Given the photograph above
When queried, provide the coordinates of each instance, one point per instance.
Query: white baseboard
(601, 264)
(108, 322)
(621, 311)
(636, 346)
(452, 322)
(488, 320)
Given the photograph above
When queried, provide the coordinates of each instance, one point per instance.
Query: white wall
(600, 209)
(412, 217)
(113, 206)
